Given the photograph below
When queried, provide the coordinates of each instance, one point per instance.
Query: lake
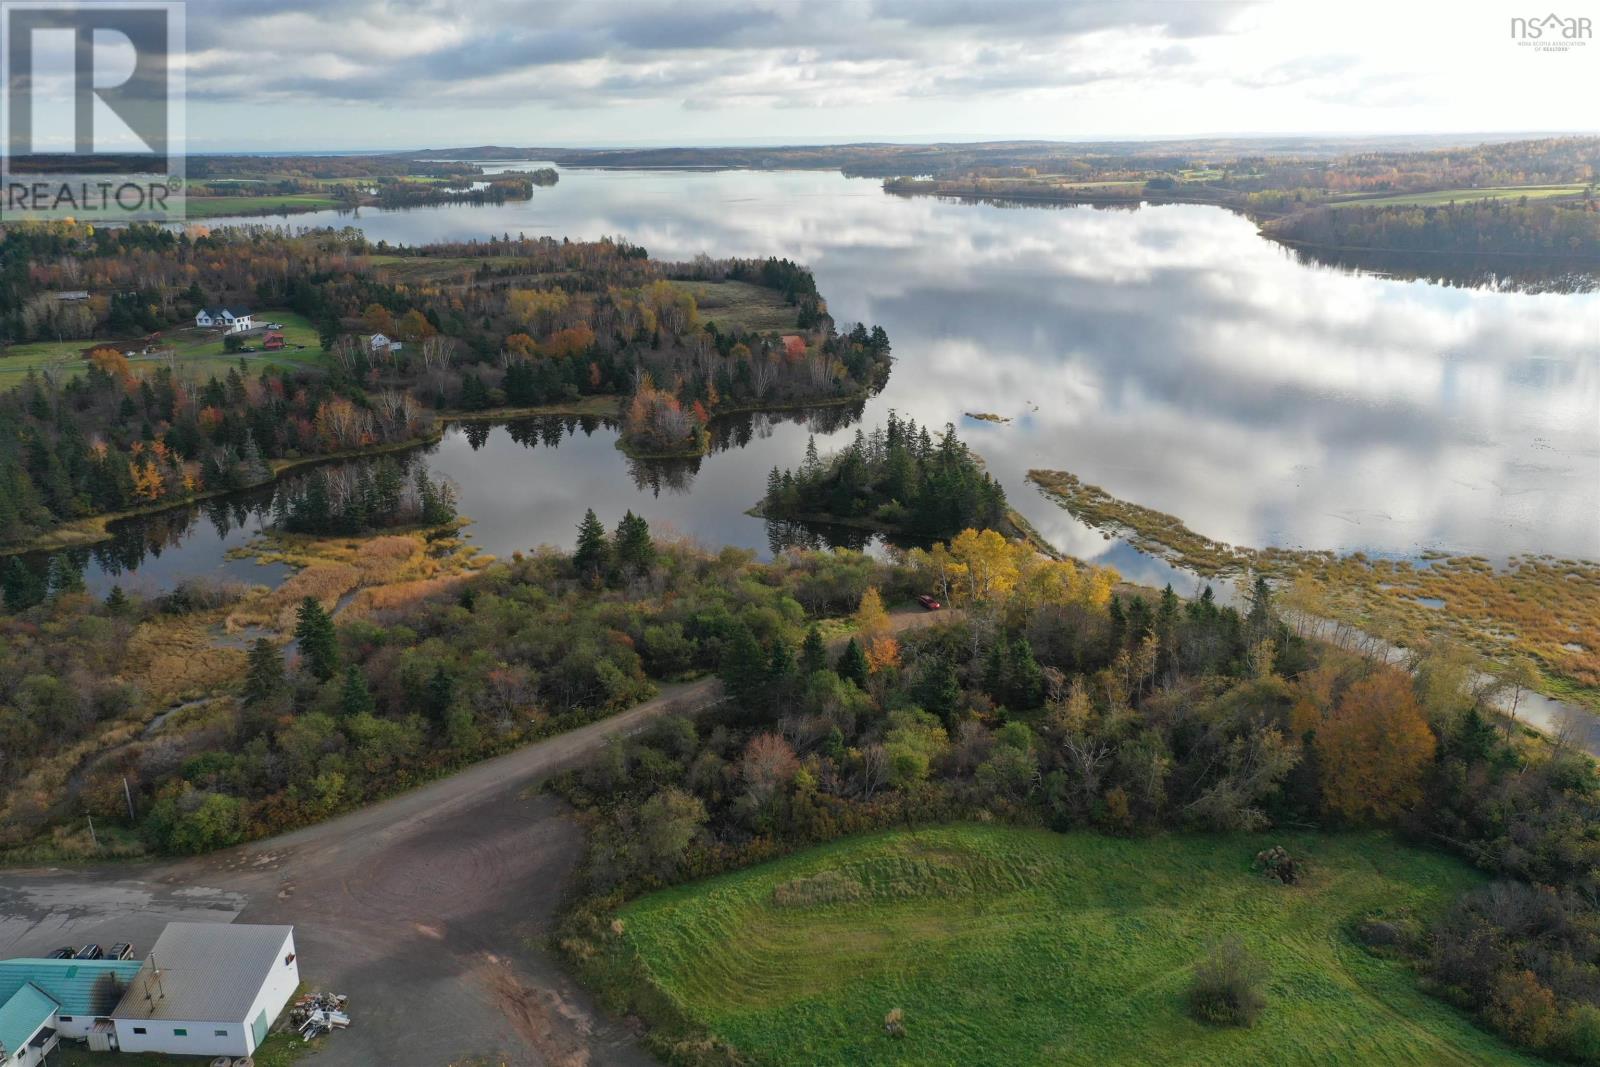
(1168, 354)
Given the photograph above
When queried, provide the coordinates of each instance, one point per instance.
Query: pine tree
(813, 653)
(354, 698)
(264, 678)
(590, 557)
(940, 689)
(319, 644)
(853, 664)
(440, 695)
(116, 601)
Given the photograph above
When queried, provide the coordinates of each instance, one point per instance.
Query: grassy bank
(1006, 946)
(1539, 606)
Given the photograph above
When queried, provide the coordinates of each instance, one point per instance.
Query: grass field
(213, 207)
(199, 352)
(1007, 946)
(752, 307)
(1445, 196)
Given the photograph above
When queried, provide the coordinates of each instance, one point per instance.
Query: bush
(1277, 864)
(894, 1023)
(1227, 986)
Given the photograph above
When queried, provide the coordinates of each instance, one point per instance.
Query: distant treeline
(1522, 226)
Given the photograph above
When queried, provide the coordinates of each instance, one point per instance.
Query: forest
(1470, 227)
(476, 326)
(898, 478)
(1052, 698)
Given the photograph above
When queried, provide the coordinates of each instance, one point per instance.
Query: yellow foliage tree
(871, 619)
(989, 565)
(882, 652)
(1374, 748)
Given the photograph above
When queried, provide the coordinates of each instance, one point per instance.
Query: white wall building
(234, 320)
(208, 989)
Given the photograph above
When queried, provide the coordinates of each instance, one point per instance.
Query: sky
(283, 75)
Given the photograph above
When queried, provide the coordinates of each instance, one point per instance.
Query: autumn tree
(1373, 748)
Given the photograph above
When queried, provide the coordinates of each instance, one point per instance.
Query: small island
(898, 480)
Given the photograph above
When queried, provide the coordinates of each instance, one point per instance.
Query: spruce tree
(813, 653)
(589, 560)
(635, 551)
(354, 698)
(319, 644)
(264, 678)
(780, 666)
(744, 669)
(853, 664)
(440, 695)
(22, 588)
(116, 601)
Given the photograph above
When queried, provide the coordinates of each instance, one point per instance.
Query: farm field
(1010, 946)
(1445, 196)
(199, 352)
(212, 207)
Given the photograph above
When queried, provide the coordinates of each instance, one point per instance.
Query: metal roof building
(208, 989)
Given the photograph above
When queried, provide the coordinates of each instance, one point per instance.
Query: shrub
(1227, 985)
(1277, 864)
(894, 1023)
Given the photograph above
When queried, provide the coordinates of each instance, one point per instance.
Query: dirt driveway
(428, 909)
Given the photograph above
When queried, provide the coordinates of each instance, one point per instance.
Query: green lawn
(200, 352)
(753, 307)
(1445, 196)
(1006, 946)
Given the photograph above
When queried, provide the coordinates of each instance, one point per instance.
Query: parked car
(928, 602)
(62, 954)
(91, 951)
(120, 951)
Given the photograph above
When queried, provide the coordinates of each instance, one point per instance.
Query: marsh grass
(1545, 607)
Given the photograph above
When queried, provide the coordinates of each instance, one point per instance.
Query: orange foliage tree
(1374, 747)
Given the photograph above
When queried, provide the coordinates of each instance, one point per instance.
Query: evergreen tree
(22, 588)
(319, 644)
(354, 697)
(635, 551)
(117, 601)
(940, 689)
(813, 653)
(264, 677)
(744, 669)
(853, 664)
(590, 557)
(780, 666)
(439, 695)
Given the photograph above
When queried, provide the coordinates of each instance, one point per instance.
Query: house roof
(204, 972)
(236, 312)
(21, 1014)
(81, 987)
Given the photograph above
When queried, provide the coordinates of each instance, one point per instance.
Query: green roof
(21, 1014)
(81, 987)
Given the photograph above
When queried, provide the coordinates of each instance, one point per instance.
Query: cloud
(696, 54)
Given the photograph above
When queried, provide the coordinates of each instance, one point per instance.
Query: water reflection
(1169, 354)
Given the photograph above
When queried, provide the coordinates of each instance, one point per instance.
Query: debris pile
(316, 1014)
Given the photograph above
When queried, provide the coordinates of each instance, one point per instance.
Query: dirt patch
(558, 1031)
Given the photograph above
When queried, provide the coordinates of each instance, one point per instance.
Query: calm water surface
(1168, 354)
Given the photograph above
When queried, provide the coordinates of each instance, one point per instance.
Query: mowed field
(1008, 946)
(199, 352)
(1445, 196)
(214, 207)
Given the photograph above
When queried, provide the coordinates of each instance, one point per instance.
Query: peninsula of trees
(126, 405)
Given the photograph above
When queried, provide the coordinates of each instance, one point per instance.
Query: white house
(208, 989)
(235, 320)
(379, 342)
(42, 1001)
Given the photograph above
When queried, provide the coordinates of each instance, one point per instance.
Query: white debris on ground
(316, 1014)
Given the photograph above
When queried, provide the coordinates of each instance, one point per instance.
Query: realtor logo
(93, 111)
(1552, 33)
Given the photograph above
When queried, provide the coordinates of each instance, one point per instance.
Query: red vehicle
(929, 603)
